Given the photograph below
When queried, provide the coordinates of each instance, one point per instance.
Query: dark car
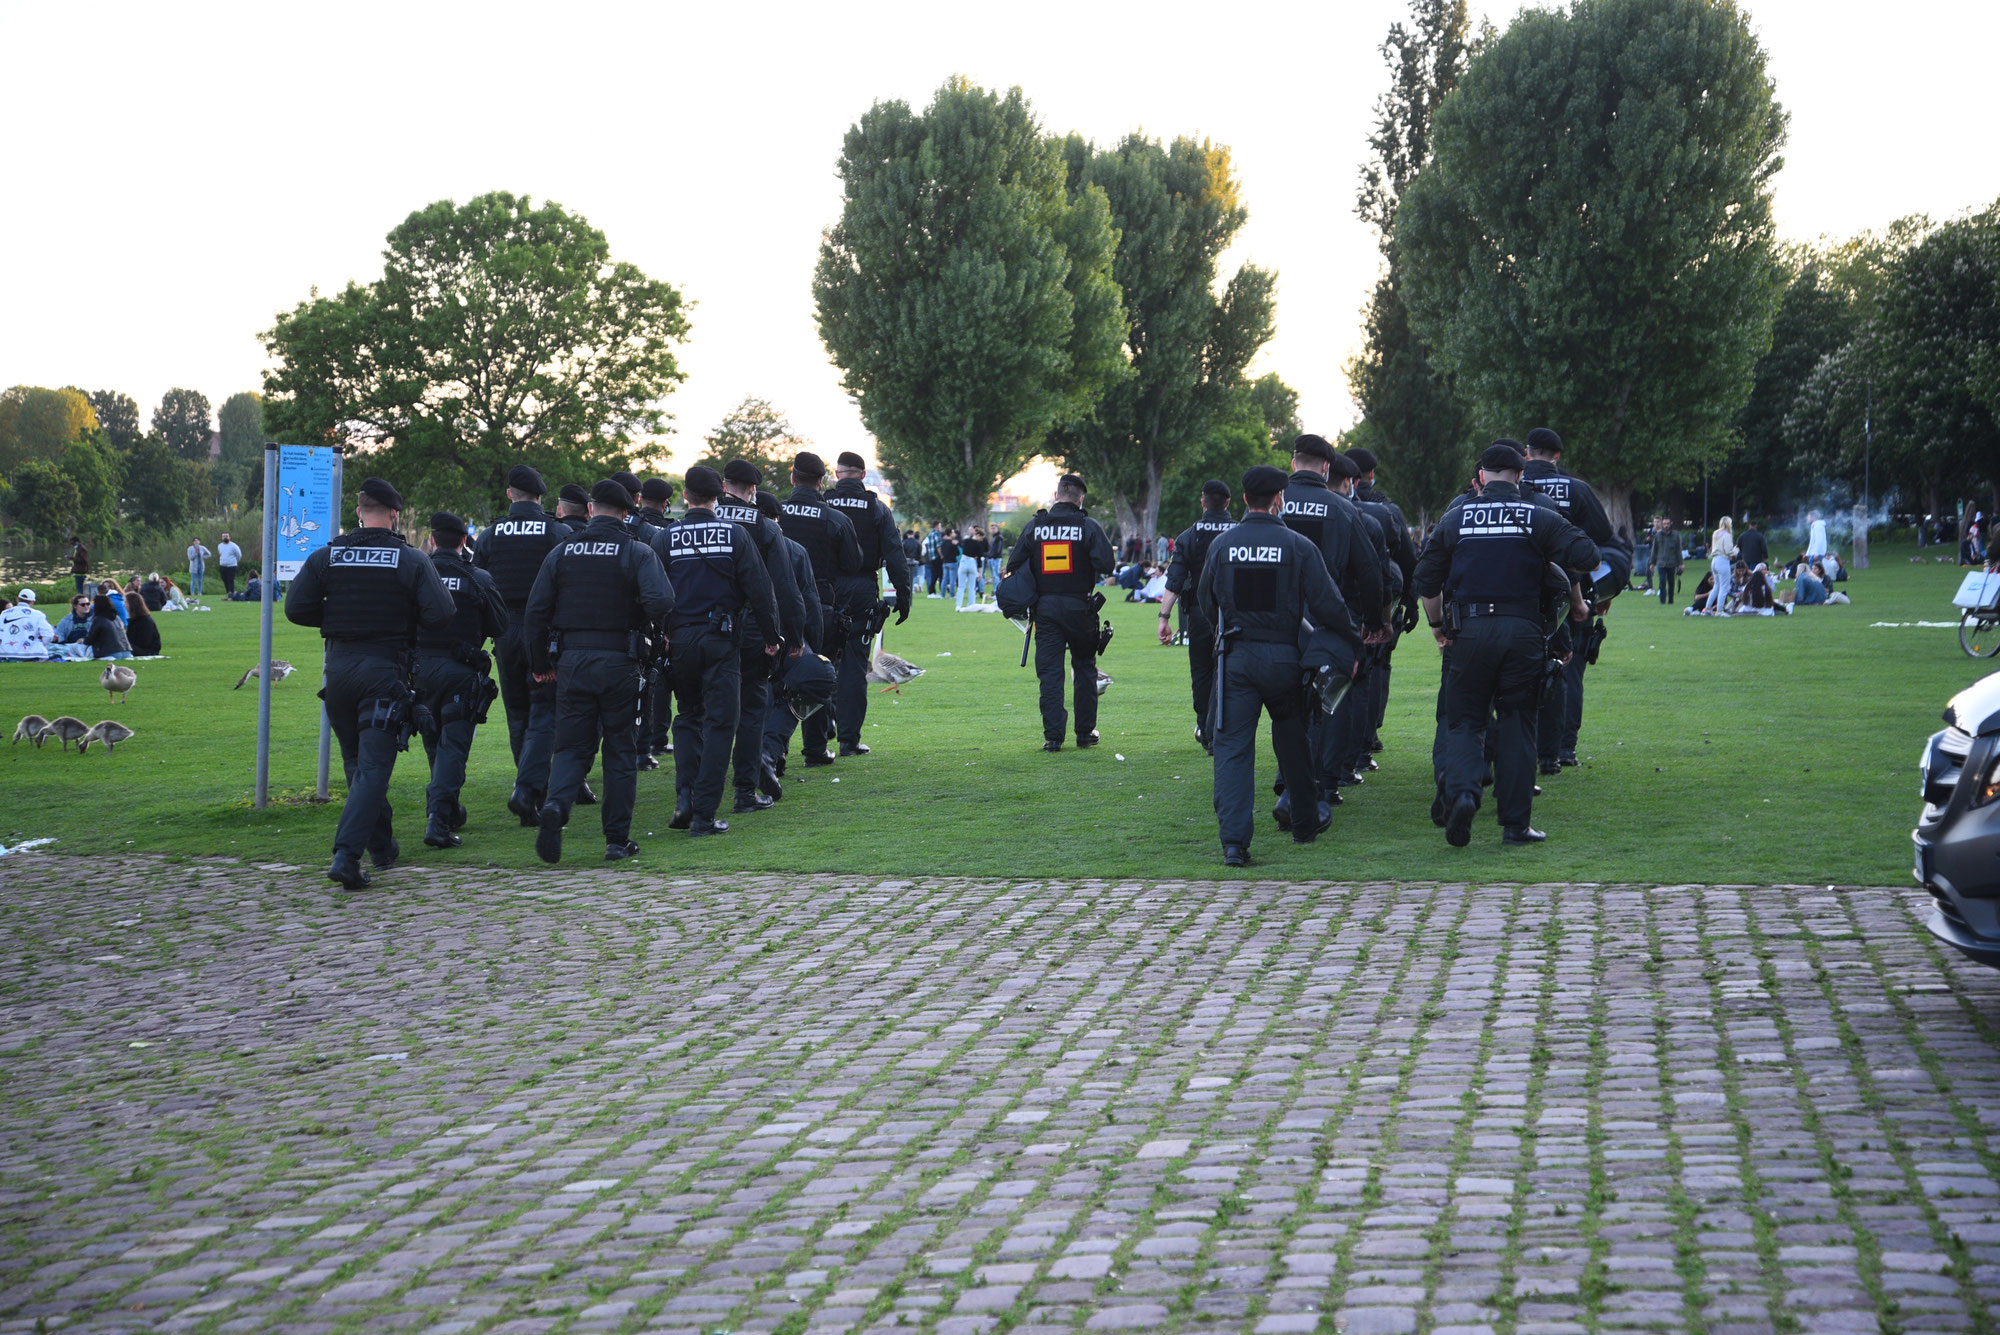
(1958, 836)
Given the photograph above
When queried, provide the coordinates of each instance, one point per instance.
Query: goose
(118, 678)
(30, 727)
(110, 732)
(895, 671)
(280, 670)
(66, 728)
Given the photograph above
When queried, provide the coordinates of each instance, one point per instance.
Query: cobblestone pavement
(233, 1099)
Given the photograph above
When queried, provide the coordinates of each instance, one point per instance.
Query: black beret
(1342, 466)
(742, 472)
(611, 492)
(703, 482)
(380, 492)
(809, 464)
(849, 459)
(574, 494)
(1071, 482)
(1363, 459)
(1215, 486)
(1312, 447)
(1502, 456)
(1264, 480)
(767, 504)
(447, 525)
(523, 478)
(1545, 440)
(657, 489)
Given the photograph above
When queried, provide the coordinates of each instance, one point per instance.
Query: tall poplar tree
(965, 294)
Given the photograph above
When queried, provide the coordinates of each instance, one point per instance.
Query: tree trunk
(1128, 521)
(1149, 516)
(1617, 498)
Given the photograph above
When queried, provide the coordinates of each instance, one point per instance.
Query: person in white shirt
(228, 556)
(1815, 536)
(24, 632)
(197, 564)
(1721, 563)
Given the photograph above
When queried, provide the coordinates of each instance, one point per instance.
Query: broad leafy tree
(1421, 431)
(155, 489)
(182, 421)
(1590, 246)
(1817, 317)
(43, 499)
(37, 423)
(240, 423)
(1177, 207)
(501, 332)
(1256, 425)
(118, 416)
(756, 433)
(965, 294)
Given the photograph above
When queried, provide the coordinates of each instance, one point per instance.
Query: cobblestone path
(233, 1099)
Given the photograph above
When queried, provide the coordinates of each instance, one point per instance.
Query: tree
(1279, 403)
(182, 421)
(1590, 246)
(118, 415)
(1256, 426)
(1419, 423)
(38, 423)
(756, 433)
(155, 490)
(500, 333)
(42, 499)
(1176, 209)
(1816, 317)
(966, 296)
(96, 471)
(240, 424)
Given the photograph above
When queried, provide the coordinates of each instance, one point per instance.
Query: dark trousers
(361, 691)
(228, 580)
(1259, 678)
(1066, 625)
(531, 712)
(1572, 720)
(819, 727)
(754, 707)
(597, 694)
(1495, 669)
(850, 694)
(1201, 667)
(1669, 577)
(1549, 718)
(445, 687)
(707, 692)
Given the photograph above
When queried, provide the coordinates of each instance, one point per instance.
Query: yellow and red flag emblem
(1057, 558)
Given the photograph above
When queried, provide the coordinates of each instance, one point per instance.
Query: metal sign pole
(266, 572)
(325, 722)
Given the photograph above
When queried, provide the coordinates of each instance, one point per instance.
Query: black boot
(748, 800)
(459, 816)
(1458, 824)
(1282, 813)
(767, 781)
(704, 825)
(548, 843)
(683, 812)
(527, 804)
(584, 797)
(1235, 855)
(346, 869)
(854, 748)
(438, 833)
(385, 858)
(619, 852)
(1522, 834)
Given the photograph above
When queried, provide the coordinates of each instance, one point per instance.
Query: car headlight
(1989, 782)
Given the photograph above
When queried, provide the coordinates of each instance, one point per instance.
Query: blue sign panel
(306, 505)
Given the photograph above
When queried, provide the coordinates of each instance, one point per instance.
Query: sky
(182, 173)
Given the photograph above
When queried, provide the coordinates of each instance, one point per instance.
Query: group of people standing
(950, 565)
(615, 630)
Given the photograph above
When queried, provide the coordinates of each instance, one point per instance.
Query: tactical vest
(367, 589)
(701, 566)
(1495, 560)
(805, 519)
(465, 628)
(512, 550)
(858, 504)
(595, 587)
(1392, 574)
(1312, 511)
(1257, 582)
(1541, 475)
(1060, 546)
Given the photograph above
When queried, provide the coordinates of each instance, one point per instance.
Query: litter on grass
(1897, 625)
(24, 844)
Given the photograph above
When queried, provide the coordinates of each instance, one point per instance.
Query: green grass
(1747, 750)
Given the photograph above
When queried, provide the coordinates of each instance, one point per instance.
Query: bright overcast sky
(182, 172)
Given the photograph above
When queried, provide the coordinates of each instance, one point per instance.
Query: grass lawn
(1747, 750)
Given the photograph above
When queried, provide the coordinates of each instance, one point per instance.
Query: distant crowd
(1739, 580)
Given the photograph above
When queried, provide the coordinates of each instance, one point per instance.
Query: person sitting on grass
(117, 596)
(143, 633)
(1759, 597)
(25, 634)
(153, 591)
(177, 601)
(106, 636)
(1809, 587)
(72, 628)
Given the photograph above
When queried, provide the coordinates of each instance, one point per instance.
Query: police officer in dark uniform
(1562, 707)
(875, 531)
(599, 592)
(1259, 584)
(781, 722)
(1403, 555)
(369, 592)
(1356, 715)
(1331, 523)
(512, 550)
(1071, 555)
(1491, 554)
(655, 495)
(1183, 579)
(756, 789)
(828, 536)
(451, 675)
(572, 507)
(718, 580)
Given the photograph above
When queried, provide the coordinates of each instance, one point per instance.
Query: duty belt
(618, 641)
(1524, 608)
(1252, 636)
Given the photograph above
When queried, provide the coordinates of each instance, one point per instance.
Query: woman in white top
(1721, 561)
